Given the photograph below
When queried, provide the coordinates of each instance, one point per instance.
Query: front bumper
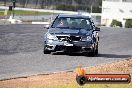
(75, 46)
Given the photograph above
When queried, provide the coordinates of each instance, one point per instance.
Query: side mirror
(97, 29)
(46, 26)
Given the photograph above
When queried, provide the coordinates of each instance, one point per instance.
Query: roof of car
(73, 15)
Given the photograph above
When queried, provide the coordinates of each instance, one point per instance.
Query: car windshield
(72, 23)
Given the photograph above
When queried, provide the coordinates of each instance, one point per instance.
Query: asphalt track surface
(21, 51)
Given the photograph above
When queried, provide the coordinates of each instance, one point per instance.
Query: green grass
(26, 13)
(75, 85)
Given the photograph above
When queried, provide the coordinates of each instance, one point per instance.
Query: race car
(72, 33)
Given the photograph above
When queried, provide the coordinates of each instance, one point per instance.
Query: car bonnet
(82, 32)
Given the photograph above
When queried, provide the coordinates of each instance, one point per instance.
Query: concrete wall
(115, 10)
(41, 18)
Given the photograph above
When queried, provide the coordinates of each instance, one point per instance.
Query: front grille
(69, 38)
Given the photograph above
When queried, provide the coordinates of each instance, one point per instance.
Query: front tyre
(92, 53)
(46, 51)
(96, 50)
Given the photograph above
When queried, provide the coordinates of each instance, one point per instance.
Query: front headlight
(88, 38)
(51, 37)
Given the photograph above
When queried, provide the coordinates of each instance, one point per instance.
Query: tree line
(72, 5)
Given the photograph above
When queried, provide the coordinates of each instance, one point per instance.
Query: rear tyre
(92, 54)
(96, 52)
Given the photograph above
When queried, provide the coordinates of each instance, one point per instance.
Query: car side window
(93, 25)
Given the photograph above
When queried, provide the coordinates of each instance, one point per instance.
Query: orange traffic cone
(80, 71)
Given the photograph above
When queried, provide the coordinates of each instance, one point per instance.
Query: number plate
(68, 44)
